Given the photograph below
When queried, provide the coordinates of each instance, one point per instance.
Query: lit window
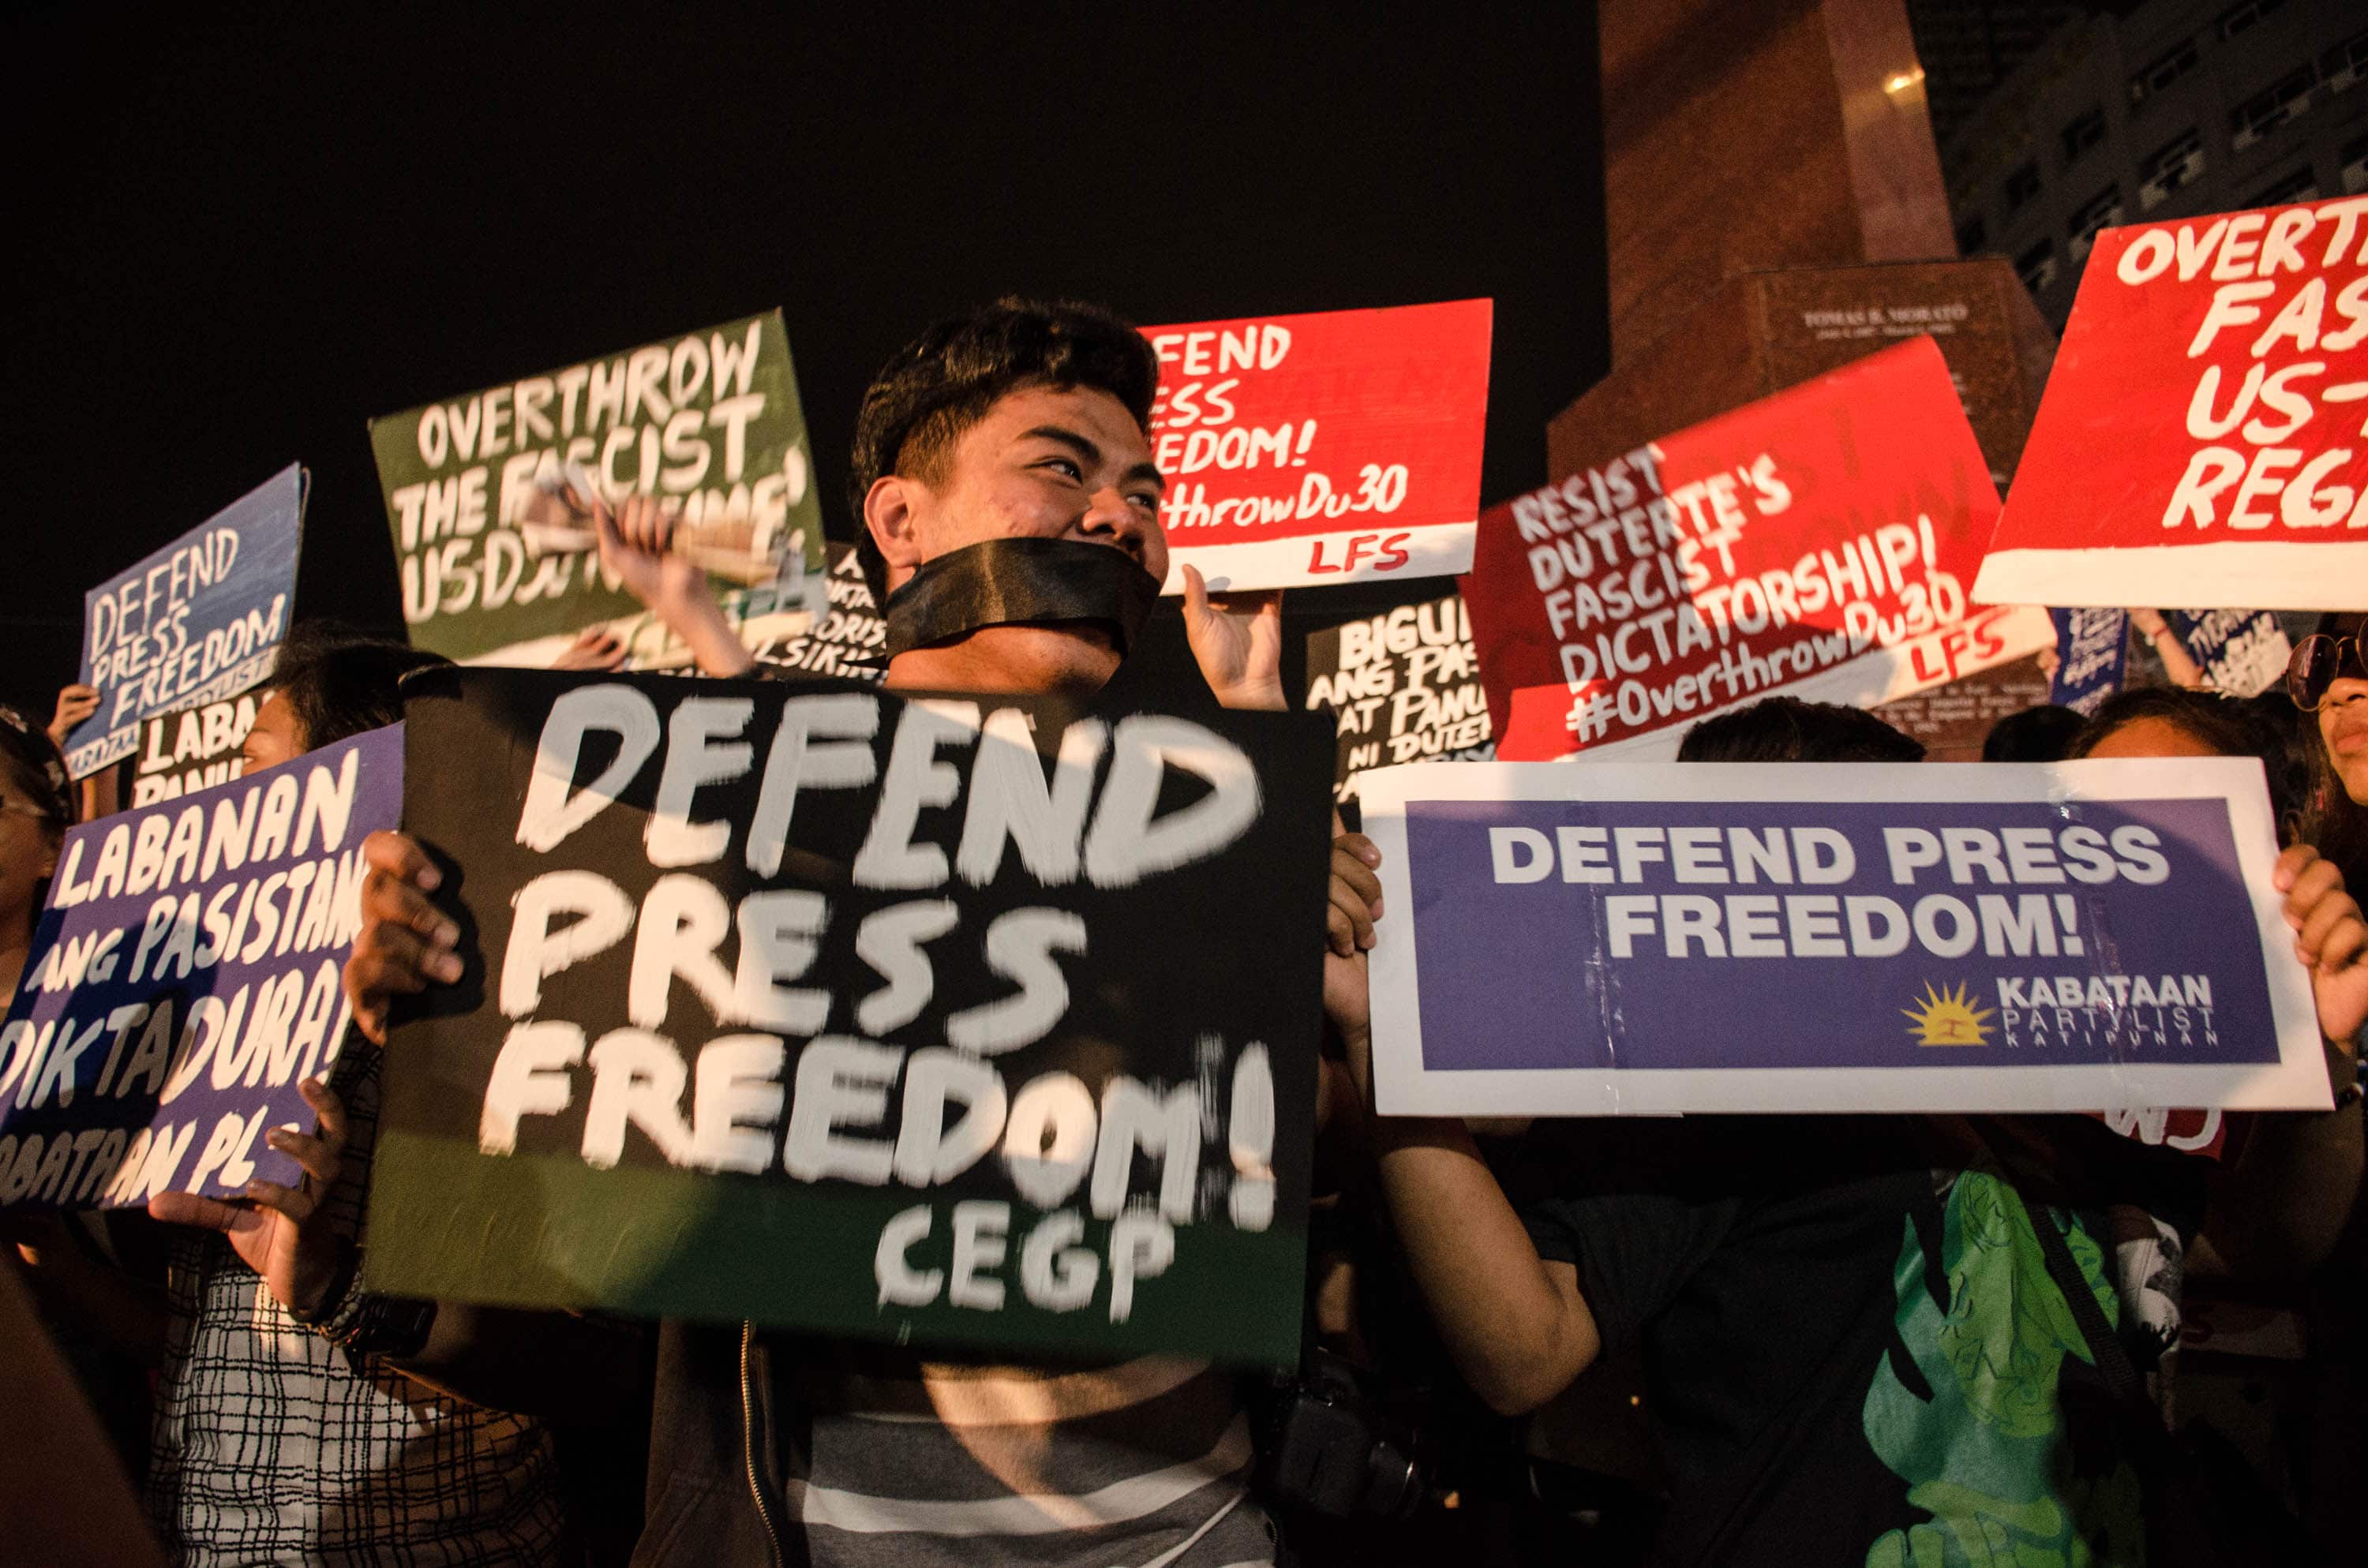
(2283, 100)
(2036, 266)
(2099, 211)
(2343, 67)
(2162, 72)
(2177, 163)
(2021, 186)
(2083, 133)
(2238, 18)
(2299, 185)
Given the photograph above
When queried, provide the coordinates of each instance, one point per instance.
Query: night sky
(241, 239)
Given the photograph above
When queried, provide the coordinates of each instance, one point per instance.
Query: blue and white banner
(1622, 938)
(2092, 650)
(183, 978)
(200, 621)
(2243, 651)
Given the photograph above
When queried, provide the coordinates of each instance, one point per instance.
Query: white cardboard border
(1404, 1087)
(2224, 575)
(1433, 550)
(1874, 677)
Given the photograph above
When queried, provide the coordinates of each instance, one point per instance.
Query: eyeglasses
(2320, 661)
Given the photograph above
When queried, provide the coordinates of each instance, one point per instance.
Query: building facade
(2173, 108)
(1969, 47)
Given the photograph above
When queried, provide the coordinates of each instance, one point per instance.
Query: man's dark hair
(937, 386)
(2229, 726)
(1786, 729)
(340, 683)
(2036, 734)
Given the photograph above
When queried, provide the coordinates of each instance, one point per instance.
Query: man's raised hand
(1237, 640)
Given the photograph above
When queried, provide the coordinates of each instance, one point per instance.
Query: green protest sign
(481, 492)
(976, 1022)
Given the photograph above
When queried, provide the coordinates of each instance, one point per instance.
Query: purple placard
(185, 979)
(2092, 649)
(1549, 973)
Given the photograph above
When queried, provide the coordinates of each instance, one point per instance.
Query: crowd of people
(1886, 1339)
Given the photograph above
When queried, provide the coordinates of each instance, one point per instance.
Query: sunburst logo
(1948, 1017)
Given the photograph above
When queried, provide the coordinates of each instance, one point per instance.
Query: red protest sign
(1322, 448)
(2201, 441)
(1814, 543)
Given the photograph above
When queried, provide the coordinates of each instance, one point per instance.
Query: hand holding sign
(708, 421)
(759, 1012)
(1356, 894)
(75, 703)
(404, 940)
(1356, 905)
(2331, 939)
(637, 545)
(279, 1231)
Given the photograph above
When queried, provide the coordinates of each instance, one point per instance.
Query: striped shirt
(1143, 1464)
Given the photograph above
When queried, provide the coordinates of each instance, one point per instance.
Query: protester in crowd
(1011, 526)
(282, 1433)
(2179, 665)
(108, 1333)
(2289, 1179)
(2327, 681)
(95, 795)
(2169, 720)
(1854, 1348)
(37, 806)
(2035, 734)
(75, 703)
(2328, 678)
(2295, 773)
(2285, 1218)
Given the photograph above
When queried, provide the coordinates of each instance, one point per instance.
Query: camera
(1323, 1445)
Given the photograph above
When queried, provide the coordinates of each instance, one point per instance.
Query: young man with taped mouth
(1855, 1343)
(1010, 509)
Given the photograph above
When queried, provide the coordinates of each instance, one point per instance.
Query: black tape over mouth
(1013, 582)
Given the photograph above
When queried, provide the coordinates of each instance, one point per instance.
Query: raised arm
(2176, 661)
(1236, 639)
(633, 541)
(1517, 1325)
(2281, 1204)
(550, 1364)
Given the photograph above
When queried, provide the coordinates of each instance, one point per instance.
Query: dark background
(242, 235)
